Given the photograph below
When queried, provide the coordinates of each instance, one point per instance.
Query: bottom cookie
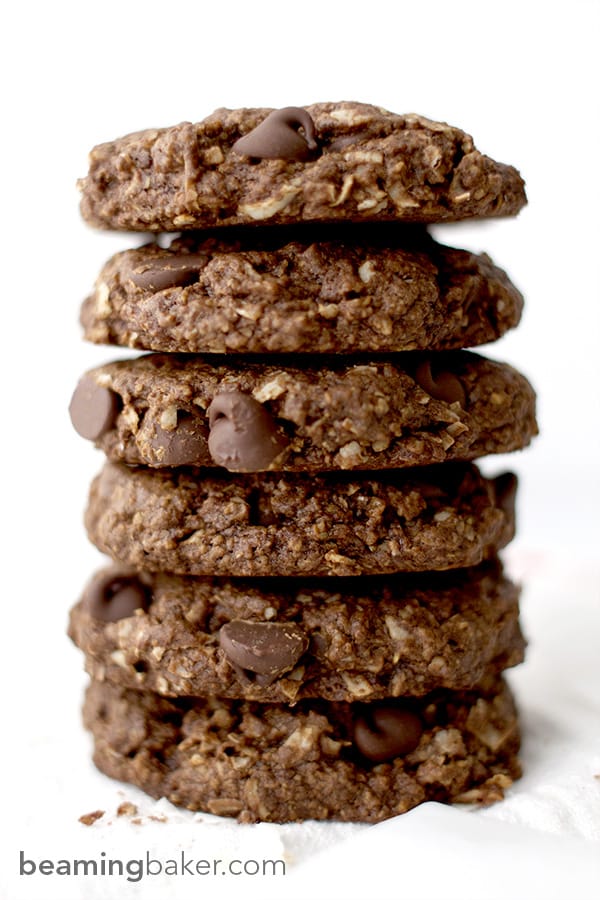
(318, 760)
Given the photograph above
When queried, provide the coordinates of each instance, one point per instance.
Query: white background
(523, 79)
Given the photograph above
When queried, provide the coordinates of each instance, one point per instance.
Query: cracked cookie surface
(370, 164)
(198, 522)
(287, 290)
(270, 762)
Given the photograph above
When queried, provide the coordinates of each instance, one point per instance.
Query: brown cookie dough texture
(369, 164)
(193, 522)
(328, 290)
(220, 680)
(316, 760)
(314, 415)
(352, 639)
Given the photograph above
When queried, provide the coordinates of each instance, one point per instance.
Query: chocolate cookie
(322, 289)
(281, 640)
(316, 415)
(188, 521)
(360, 762)
(326, 162)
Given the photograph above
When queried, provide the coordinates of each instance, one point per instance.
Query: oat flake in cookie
(310, 414)
(283, 640)
(316, 760)
(352, 162)
(328, 289)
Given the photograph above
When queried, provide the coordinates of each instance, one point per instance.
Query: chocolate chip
(185, 445)
(93, 409)
(441, 385)
(174, 271)
(269, 649)
(243, 436)
(385, 731)
(277, 137)
(265, 648)
(112, 596)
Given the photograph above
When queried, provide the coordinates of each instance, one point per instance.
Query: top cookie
(326, 162)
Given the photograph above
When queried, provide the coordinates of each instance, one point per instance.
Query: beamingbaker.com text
(147, 867)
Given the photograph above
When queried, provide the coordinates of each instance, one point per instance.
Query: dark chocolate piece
(385, 731)
(176, 271)
(184, 445)
(93, 409)
(114, 596)
(266, 648)
(440, 384)
(243, 436)
(278, 137)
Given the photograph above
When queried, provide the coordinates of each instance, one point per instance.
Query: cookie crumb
(90, 818)
(158, 818)
(127, 809)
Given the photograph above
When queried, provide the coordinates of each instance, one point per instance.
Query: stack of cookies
(305, 616)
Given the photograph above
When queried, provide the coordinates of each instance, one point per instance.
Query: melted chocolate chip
(385, 731)
(266, 648)
(185, 445)
(277, 137)
(112, 596)
(243, 436)
(93, 409)
(440, 385)
(174, 271)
